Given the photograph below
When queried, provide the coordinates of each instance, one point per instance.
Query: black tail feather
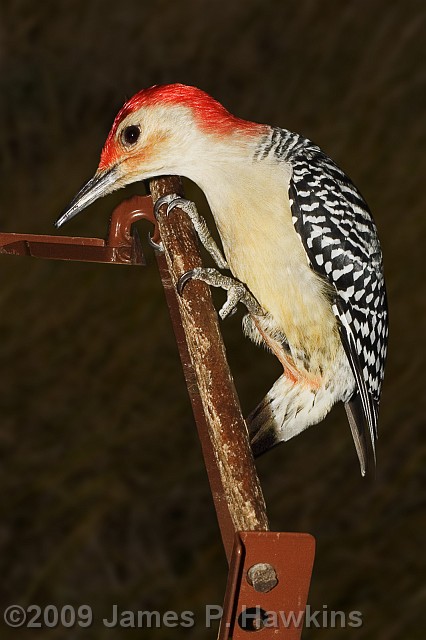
(361, 434)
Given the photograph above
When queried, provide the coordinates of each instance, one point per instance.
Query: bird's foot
(236, 290)
(199, 223)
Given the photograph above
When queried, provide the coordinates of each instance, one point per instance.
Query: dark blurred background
(104, 496)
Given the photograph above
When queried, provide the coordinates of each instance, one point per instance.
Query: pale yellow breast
(264, 251)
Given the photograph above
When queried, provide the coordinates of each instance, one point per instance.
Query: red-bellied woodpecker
(298, 239)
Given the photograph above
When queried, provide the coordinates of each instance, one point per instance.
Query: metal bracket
(122, 245)
(268, 585)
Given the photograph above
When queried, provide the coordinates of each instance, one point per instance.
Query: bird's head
(160, 131)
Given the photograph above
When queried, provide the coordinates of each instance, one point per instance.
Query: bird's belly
(275, 269)
(264, 251)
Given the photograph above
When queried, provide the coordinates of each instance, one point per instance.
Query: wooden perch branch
(223, 434)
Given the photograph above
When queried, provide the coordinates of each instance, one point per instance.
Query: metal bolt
(262, 577)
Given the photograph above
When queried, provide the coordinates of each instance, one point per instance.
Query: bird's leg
(199, 223)
(236, 290)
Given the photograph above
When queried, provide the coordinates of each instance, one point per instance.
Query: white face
(149, 142)
(154, 141)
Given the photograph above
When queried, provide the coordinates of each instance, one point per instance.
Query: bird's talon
(157, 246)
(199, 224)
(184, 278)
(176, 202)
(168, 199)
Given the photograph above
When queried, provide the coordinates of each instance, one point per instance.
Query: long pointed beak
(100, 185)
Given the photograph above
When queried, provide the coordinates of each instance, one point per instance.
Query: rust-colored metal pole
(235, 486)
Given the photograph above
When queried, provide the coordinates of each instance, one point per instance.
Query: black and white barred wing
(340, 239)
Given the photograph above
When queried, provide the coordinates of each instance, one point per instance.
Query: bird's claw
(236, 290)
(157, 246)
(200, 225)
(168, 199)
(184, 279)
(182, 203)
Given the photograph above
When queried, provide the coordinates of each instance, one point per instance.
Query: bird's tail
(288, 408)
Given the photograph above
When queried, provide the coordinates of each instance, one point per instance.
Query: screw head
(262, 577)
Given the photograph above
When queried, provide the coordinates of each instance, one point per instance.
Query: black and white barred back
(339, 236)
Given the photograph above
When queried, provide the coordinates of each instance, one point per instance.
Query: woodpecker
(298, 239)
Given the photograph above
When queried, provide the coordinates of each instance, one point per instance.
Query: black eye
(131, 134)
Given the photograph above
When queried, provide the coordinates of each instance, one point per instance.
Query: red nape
(209, 113)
